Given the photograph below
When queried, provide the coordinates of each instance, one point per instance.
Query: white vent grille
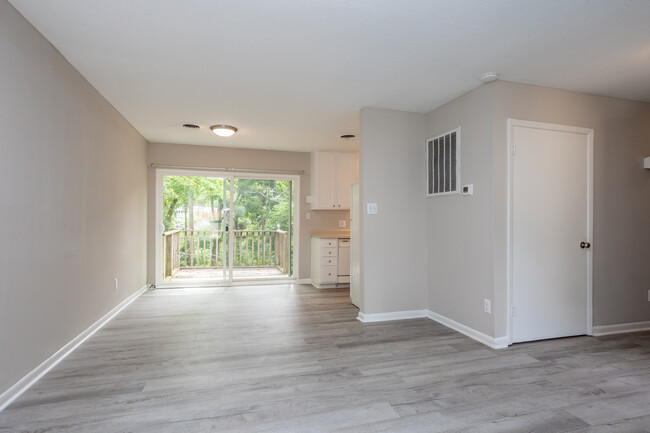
(443, 164)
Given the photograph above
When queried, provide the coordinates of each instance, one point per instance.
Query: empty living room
(325, 216)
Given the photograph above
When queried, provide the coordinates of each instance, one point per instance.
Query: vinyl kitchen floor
(294, 359)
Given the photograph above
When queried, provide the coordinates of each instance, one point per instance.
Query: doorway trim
(240, 174)
(589, 134)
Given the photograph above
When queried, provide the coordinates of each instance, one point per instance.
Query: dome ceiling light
(223, 130)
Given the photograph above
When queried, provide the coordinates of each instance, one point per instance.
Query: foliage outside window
(199, 203)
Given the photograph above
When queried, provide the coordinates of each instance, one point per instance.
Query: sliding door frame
(294, 224)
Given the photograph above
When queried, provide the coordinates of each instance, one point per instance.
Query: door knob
(584, 245)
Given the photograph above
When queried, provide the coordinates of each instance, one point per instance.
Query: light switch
(307, 215)
(372, 208)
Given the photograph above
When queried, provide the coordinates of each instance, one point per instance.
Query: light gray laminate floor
(293, 358)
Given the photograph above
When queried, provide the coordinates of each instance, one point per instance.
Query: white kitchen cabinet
(330, 261)
(324, 263)
(348, 174)
(332, 173)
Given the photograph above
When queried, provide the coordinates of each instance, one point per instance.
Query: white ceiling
(293, 74)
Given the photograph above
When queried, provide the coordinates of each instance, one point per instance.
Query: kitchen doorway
(218, 228)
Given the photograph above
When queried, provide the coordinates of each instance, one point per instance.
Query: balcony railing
(207, 249)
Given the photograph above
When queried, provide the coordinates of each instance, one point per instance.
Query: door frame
(589, 135)
(161, 172)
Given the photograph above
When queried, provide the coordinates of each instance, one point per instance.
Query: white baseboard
(395, 315)
(303, 281)
(494, 343)
(620, 328)
(331, 286)
(7, 397)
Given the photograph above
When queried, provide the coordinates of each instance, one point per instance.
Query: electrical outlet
(115, 285)
(307, 215)
(341, 223)
(487, 306)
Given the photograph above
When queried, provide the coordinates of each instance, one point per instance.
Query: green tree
(185, 192)
(261, 204)
(258, 204)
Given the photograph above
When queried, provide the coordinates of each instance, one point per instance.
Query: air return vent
(443, 164)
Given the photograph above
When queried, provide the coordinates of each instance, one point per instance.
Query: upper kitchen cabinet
(332, 173)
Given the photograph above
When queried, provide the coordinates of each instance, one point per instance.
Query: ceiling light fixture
(223, 130)
(488, 77)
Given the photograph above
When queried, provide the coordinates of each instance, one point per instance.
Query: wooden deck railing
(206, 248)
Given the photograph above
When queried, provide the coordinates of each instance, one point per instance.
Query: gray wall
(621, 243)
(467, 235)
(73, 188)
(460, 228)
(391, 174)
(225, 157)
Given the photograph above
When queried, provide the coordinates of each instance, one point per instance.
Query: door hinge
(513, 311)
(514, 150)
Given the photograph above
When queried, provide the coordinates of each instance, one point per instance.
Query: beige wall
(73, 188)
(225, 157)
(394, 249)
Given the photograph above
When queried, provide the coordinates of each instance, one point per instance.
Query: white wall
(225, 157)
(73, 201)
(392, 174)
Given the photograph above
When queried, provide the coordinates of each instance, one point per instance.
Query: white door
(551, 230)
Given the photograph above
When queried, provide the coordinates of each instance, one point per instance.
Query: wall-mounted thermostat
(467, 189)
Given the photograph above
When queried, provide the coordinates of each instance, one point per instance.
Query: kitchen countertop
(330, 234)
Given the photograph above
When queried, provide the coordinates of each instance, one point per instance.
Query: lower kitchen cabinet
(324, 262)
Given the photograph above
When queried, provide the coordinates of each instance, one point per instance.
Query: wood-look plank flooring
(294, 359)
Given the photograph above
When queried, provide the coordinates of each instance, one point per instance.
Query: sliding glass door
(218, 229)
(195, 219)
(262, 226)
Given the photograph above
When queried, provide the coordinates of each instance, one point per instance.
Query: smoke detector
(488, 77)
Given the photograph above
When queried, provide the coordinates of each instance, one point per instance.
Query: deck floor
(238, 272)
